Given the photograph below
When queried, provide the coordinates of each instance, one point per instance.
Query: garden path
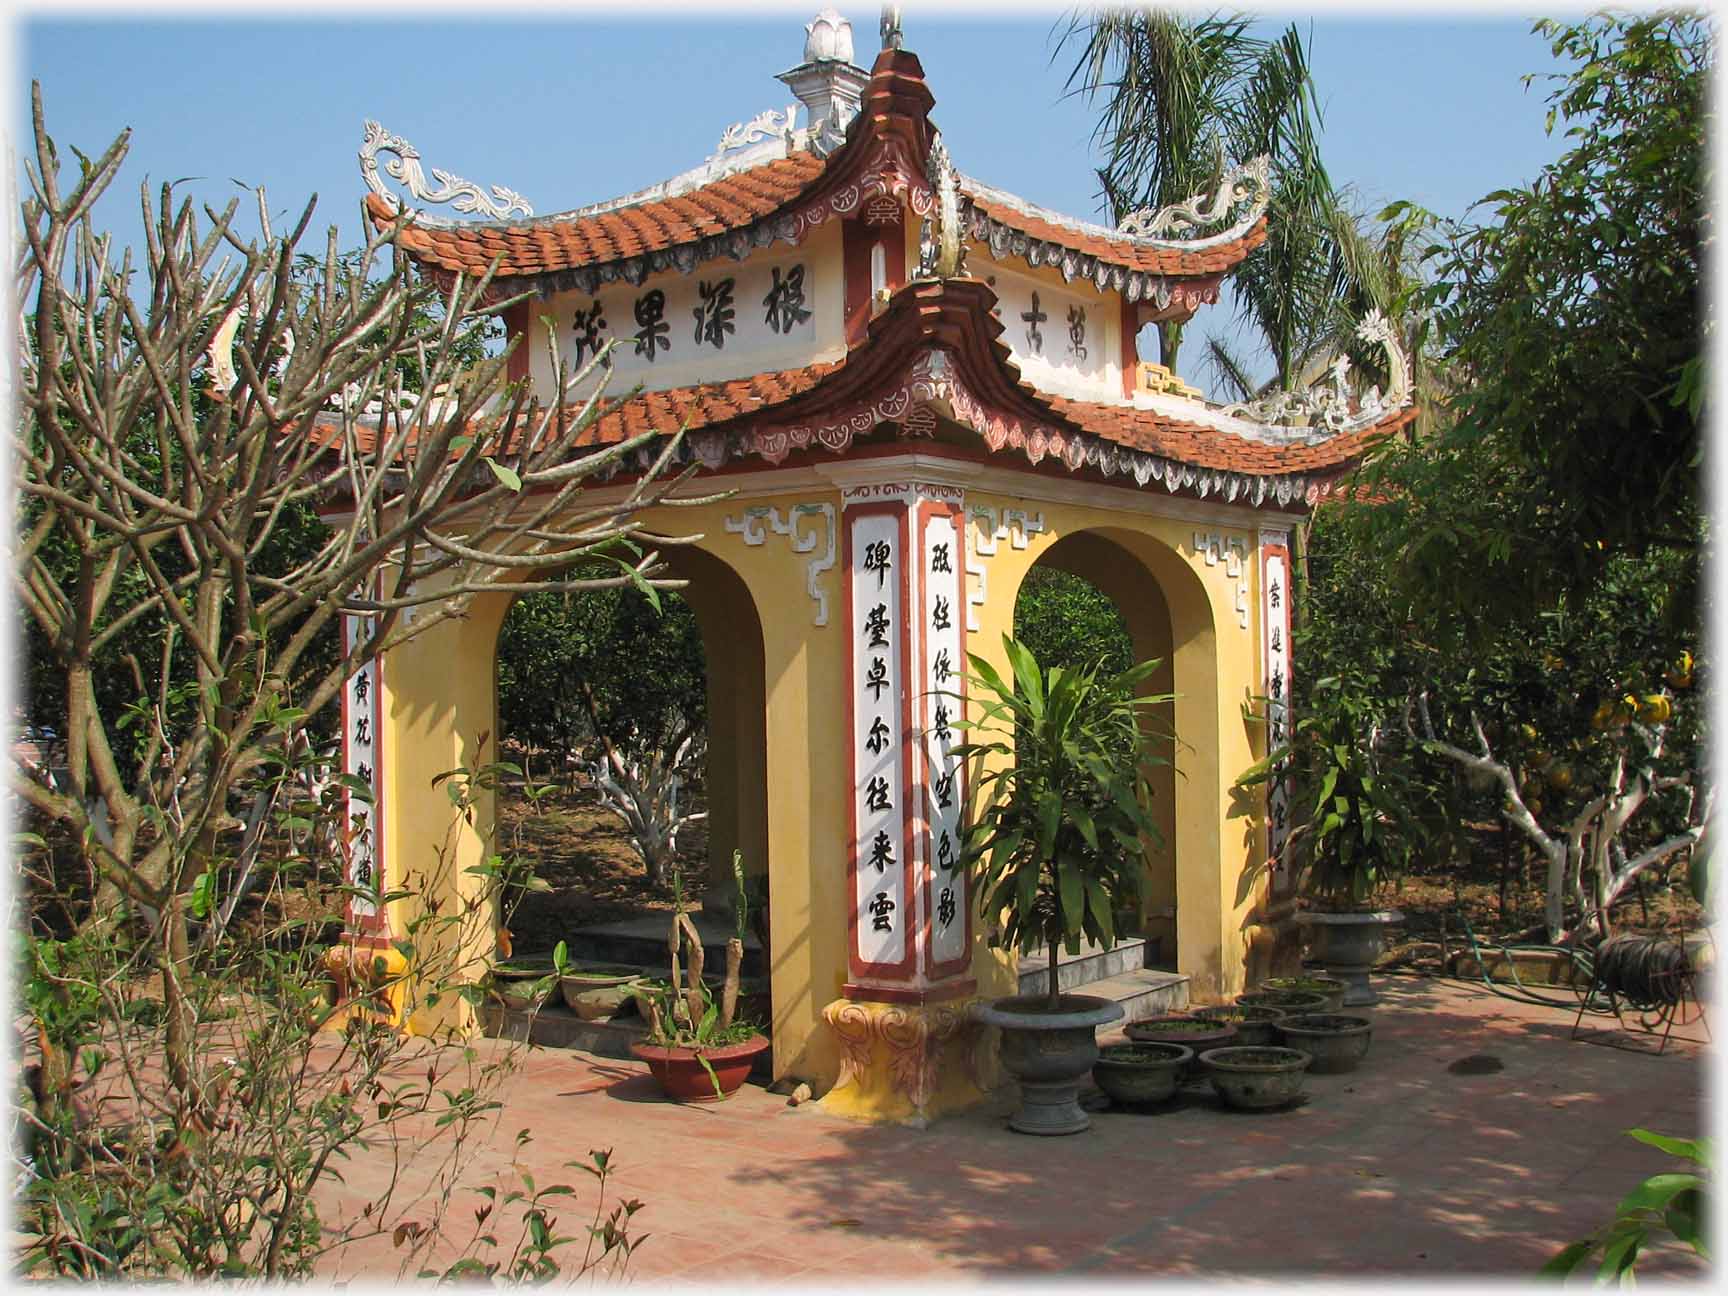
(1401, 1168)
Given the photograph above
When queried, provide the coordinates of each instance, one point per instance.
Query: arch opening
(1087, 600)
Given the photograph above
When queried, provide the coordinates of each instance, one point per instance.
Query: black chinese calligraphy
(590, 328)
(939, 616)
(363, 772)
(362, 686)
(1077, 333)
(651, 326)
(876, 678)
(1277, 686)
(363, 871)
(1277, 639)
(945, 908)
(939, 728)
(939, 560)
(943, 666)
(876, 625)
(785, 301)
(881, 852)
(876, 795)
(881, 912)
(715, 314)
(945, 859)
(1275, 594)
(878, 736)
(1034, 334)
(363, 731)
(944, 790)
(878, 558)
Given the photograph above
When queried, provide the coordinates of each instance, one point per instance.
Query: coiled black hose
(1646, 972)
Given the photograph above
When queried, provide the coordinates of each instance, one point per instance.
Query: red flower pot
(684, 1079)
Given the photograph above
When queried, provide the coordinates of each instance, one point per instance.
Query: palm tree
(1180, 96)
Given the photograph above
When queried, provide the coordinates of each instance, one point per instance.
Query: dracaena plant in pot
(1059, 763)
(1354, 828)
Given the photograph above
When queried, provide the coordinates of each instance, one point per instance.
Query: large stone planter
(1135, 1074)
(1348, 944)
(1049, 1053)
(1256, 1078)
(1335, 1041)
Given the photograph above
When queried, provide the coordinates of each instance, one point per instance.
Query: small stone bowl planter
(597, 991)
(1254, 1026)
(1335, 1041)
(523, 985)
(1256, 1079)
(1134, 1074)
(1291, 1001)
(1186, 1029)
(1332, 988)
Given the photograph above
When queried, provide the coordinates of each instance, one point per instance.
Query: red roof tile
(1130, 253)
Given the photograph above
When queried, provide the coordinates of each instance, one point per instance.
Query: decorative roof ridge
(1248, 183)
(755, 156)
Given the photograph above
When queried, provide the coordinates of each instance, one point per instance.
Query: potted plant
(1254, 1024)
(694, 1047)
(1330, 988)
(1354, 830)
(1059, 779)
(1335, 1041)
(1140, 1072)
(1256, 1077)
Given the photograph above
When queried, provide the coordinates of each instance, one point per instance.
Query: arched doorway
(1087, 599)
(647, 678)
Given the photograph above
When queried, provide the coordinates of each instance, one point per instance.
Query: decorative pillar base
(909, 1063)
(371, 984)
(1275, 942)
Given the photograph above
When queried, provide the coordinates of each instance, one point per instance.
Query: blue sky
(572, 110)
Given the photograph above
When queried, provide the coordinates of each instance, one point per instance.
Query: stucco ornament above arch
(1332, 406)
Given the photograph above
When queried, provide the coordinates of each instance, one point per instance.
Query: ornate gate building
(915, 388)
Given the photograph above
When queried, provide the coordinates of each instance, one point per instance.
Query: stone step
(1073, 971)
(641, 942)
(1143, 993)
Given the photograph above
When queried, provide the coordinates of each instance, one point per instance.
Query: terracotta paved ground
(1400, 1168)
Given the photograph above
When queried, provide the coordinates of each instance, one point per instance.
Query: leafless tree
(172, 416)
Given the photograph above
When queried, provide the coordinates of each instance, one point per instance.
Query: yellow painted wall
(441, 697)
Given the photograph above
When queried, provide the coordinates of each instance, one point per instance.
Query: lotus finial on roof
(891, 34)
(828, 36)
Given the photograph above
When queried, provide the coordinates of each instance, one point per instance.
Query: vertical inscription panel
(362, 745)
(1275, 623)
(880, 862)
(942, 672)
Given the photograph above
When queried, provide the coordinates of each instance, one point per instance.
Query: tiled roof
(545, 245)
(1208, 447)
(1118, 250)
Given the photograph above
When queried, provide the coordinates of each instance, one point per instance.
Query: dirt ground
(583, 851)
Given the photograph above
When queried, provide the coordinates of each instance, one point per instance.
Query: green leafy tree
(1067, 621)
(1059, 776)
(1181, 96)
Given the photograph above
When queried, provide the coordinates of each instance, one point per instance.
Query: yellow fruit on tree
(1655, 709)
(1529, 732)
(1680, 674)
(1603, 716)
(1560, 777)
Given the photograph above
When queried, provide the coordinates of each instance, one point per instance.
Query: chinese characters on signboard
(1275, 585)
(878, 755)
(752, 307)
(944, 792)
(361, 743)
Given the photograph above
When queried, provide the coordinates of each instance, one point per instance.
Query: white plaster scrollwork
(1212, 546)
(1332, 406)
(1015, 526)
(463, 195)
(764, 125)
(1249, 183)
(749, 526)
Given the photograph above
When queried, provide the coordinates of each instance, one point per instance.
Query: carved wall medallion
(819, 541)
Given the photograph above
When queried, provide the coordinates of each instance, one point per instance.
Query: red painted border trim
(516, 320)
(1130, 347)
(907, 966)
